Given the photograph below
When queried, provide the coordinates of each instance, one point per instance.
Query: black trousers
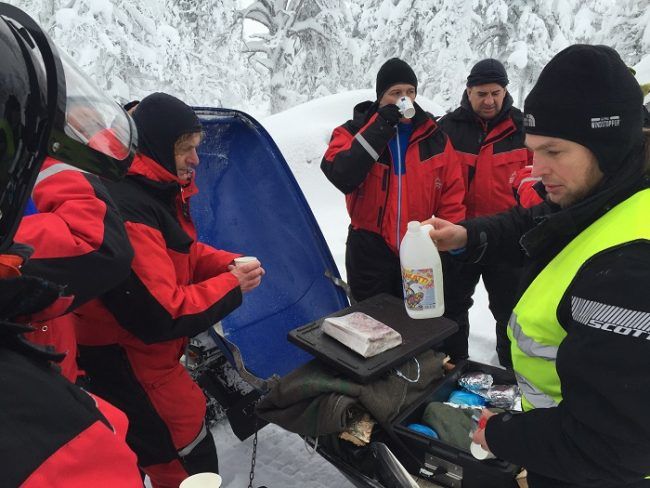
(460, 280)
(372, 267)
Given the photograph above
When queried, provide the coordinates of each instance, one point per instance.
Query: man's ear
(468, 90)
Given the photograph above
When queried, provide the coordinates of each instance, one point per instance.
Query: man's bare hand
(248, 274)
(446, 235)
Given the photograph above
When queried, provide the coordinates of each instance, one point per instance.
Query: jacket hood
(161, 119)
(150, 174)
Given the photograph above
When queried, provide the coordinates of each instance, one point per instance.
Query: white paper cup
(405, 106)
(202, 480)
(244, 260)
(479, 453)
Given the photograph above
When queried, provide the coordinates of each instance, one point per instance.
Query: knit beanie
(161, 119)
(393, 72)
(487, 71)
(586, 94)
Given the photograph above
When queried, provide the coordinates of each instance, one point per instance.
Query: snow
(302, 134)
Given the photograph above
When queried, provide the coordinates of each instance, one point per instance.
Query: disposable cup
(479, 453)
(244, 260)
(405, 106)
(202, 480)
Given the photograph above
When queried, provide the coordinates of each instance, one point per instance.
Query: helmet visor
(49, 107)
(95, 133)
(93, 119)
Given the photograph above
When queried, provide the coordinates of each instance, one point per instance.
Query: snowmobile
(250, 202)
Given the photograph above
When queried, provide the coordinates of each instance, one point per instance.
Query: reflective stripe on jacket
(534, 329)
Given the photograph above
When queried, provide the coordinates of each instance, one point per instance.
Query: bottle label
(419, 288)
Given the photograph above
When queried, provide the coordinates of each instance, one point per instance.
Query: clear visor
(91, 118)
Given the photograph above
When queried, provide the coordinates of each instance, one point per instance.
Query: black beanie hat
(586, 94)
(393, 72)
(487, 71)
(161, 119)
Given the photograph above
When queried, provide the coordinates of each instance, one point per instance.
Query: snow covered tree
(454, 26)
(524, 35)
(204, 58)
(201, 51)
(299, 34)
(626, 27)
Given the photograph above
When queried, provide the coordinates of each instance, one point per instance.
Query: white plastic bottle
(421, 273)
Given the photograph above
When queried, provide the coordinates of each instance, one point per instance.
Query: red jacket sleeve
(209, 262)
(353, 151)
(76, 234)
(155, 305)
(451, 206)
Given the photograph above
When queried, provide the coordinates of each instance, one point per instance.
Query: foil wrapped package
(476, 382)
(503, 396)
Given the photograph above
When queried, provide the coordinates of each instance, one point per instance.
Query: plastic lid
(413, 226)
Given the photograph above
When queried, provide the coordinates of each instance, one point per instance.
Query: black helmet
(48, 107)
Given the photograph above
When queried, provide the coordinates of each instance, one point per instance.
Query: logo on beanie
(529, 120)
(604, 122)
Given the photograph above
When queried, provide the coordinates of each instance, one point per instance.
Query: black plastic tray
(417, 336)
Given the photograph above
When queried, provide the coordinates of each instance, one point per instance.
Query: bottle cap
(413, 226)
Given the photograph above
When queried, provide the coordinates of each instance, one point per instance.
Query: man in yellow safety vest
(580, 331)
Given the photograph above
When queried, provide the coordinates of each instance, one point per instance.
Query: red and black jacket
(359, 162)
(56, 434)
(178, 287)
(491, 154)
(53, 432)
(79, 242)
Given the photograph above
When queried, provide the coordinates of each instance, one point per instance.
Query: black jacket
(599, 435)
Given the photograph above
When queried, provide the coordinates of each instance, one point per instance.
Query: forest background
(266, 56)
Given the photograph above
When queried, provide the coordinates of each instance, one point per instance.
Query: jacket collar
(557, 226)
(149, 173)
(467, 114)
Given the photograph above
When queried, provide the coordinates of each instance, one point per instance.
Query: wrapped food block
(362, 333)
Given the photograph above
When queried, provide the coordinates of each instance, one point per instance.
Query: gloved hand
(390, 113)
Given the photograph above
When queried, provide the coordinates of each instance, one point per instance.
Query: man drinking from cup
(394, 165)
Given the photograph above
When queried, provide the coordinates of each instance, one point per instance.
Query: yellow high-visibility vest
(534, 330)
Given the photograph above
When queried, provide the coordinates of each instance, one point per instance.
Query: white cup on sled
(202, 480)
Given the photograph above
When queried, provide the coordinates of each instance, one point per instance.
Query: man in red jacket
(77, 226)
(131, 340)
(392, 170)
(53, 433)
(488, 136)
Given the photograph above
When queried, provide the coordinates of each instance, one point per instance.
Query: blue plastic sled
(249, 202)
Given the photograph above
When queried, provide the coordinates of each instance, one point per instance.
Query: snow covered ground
(302, 133)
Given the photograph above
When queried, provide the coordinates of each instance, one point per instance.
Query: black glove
(24, 251)
(390, 113)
